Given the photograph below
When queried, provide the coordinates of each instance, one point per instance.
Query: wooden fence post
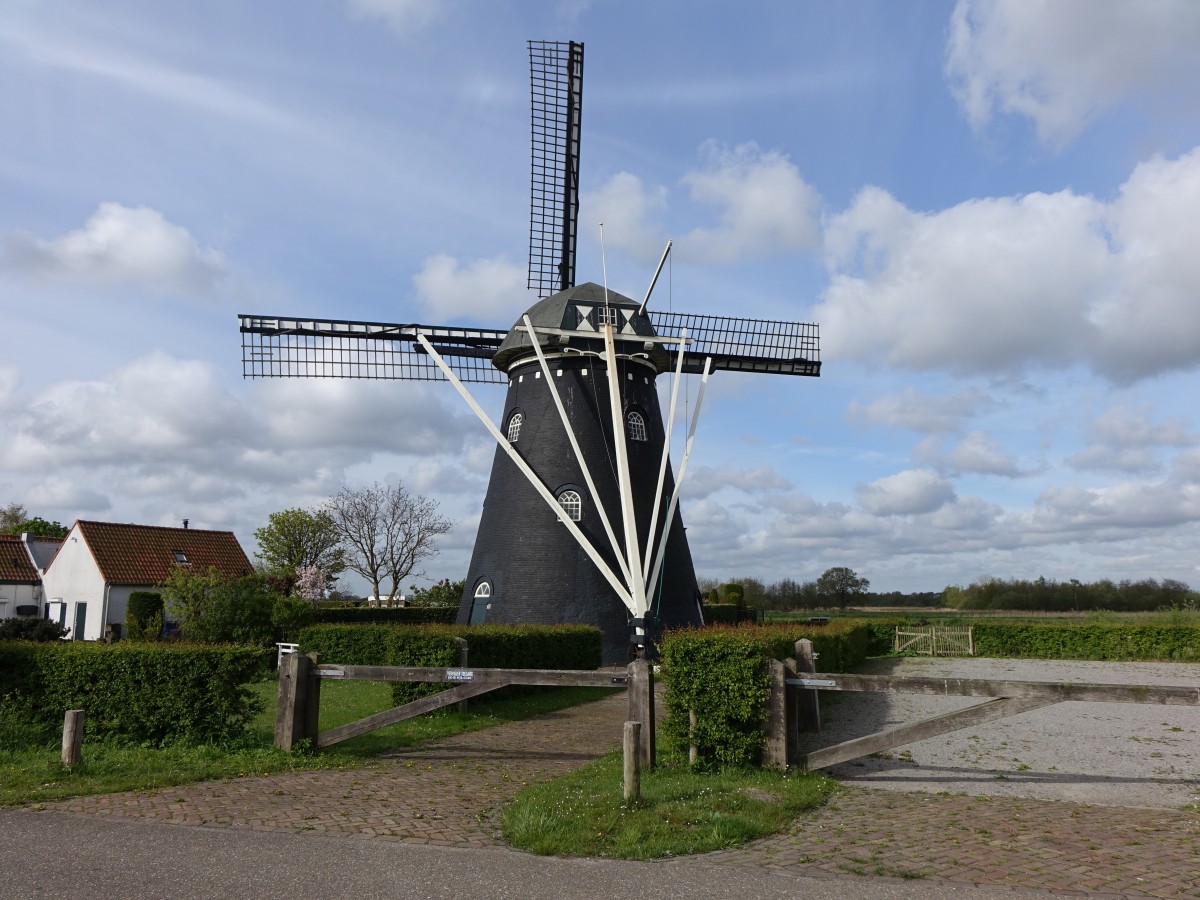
(72, 739)
(296, 714)
(775, 755)
(693, 747)
(808, 705)
(463, 657)
(631, 744)
(641, 707)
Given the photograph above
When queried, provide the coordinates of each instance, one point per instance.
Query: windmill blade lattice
(282, 347)
(743, 345)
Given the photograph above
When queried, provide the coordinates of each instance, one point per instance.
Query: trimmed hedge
(386, 615)
(1121, 643)
(489, 646)
(140, 693)
(721, 673)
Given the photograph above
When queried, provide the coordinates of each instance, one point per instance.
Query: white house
(88, 583)
(20, 581)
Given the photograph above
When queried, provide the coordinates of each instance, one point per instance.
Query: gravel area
(1110, 754)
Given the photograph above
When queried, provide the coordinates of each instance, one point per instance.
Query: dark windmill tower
(581, 522)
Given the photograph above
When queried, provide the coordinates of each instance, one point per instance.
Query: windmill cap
(573, 311)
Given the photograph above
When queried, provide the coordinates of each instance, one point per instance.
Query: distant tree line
(1146, 595)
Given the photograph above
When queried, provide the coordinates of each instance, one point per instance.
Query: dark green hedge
(730, 613)
(489, 646)
(386, 615)
(1034, 640)
(141, 693)
(721, 673)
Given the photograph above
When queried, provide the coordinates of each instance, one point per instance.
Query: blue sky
(989, 207)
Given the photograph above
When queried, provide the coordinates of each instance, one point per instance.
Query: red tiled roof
(145, 554)
(14, 562)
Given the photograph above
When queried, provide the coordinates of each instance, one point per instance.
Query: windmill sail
(556, 88)
(743, 345)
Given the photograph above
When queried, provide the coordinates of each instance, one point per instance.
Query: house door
(481, 603)
(80, 621)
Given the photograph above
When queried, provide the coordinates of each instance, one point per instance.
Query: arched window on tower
(635, 426)
(481, 603)
(514, 427)
(572, 504)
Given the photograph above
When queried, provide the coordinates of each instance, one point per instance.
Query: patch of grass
(30, 771)
(682, 810)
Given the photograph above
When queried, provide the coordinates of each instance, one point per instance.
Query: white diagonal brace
(531, 476)
(687, 452)
(587, 473)
(637, 584)
(666, 453)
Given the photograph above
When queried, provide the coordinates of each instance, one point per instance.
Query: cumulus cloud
(918, 411)
(765, 205)
(486, 289)
(998, 284)
(977, 453)
(631, 213)
(910, 492)
(56, 492)
(1061, 64)
(1124, 439)
(703, 481)
(404, 16)
(119, 245)
(10, 380)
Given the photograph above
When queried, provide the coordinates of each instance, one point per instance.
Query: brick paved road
(446, 793)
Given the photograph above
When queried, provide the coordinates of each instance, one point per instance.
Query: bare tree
(387, 530)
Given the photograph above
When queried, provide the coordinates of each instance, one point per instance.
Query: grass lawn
(682, 810)
(30, 772)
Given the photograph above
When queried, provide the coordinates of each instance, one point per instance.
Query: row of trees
(1146, 595)
(381, 532)
(839, 586)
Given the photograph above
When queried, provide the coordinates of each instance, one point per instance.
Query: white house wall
(75, 578)
(13, 595)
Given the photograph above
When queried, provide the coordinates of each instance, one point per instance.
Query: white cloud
(1061, 64)
(120, 245)
(404, 16)
(977, 453)
(1124, 439)
(918, 411)
(766, 207)
(631, 213)
(910, 492)
(488, 289)
(703, 481)
(999, 284)
(10, 380)
(57, 493)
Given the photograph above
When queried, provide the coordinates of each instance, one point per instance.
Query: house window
(606, 315)
(572, 504)
(635, 425)
(514, 427)
(180, 557)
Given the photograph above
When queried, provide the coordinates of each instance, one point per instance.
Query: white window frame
(606, 315)
(572, 504)
(483, 589)
(514, 426)
(635, 426)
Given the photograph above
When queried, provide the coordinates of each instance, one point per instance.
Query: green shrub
(213, 609)
(721, 673)
(141, 693)
(1035, 640)
(144, 616)
(26, 629)
(289, 615)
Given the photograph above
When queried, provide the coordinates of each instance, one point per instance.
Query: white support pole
(587, 474)
(666, 453)
(637, 584)
(687, 452)
(654, 280)
(531, 476)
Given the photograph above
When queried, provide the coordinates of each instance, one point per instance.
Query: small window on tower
(635, 425)
(606, 315)
(572, 504)
(514, 427)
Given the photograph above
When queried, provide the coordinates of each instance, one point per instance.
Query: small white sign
(459, 675)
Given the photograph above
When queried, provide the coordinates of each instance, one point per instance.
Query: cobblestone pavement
(447, 793)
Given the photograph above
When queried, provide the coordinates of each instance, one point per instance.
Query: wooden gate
(935, 640)
(795, 685)
(298, 712)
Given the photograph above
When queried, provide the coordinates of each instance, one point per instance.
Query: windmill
(580, 522)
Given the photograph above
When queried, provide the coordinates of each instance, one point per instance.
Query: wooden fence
(298, 712)
(935, 640)
(793, 706)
